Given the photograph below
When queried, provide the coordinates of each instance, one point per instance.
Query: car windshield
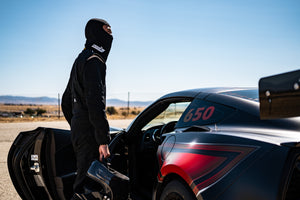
(245, 94)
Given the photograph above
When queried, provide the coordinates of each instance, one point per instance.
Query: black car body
(194, 144)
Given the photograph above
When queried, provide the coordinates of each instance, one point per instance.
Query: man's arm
(94, 92)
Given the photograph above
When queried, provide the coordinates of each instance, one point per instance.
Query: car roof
(205, 91)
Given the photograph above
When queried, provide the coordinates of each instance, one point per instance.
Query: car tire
(176, 190)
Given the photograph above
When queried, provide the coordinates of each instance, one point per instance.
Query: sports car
(195, 144)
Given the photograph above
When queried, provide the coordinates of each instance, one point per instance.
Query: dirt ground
(9, 131)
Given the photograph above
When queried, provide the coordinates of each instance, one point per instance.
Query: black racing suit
(83, 104)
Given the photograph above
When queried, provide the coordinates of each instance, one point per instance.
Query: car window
(172, 113)
(200, 113)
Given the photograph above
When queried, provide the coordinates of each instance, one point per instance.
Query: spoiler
(279, 95)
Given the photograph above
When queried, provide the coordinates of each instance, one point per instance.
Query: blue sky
(159, 46)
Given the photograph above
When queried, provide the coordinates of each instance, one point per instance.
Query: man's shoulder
(96, 62)
(88, 56)
(88, 59)
(95, 56)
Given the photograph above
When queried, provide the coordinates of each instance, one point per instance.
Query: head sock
(97, 38)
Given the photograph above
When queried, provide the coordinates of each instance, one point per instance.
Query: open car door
(42, 165)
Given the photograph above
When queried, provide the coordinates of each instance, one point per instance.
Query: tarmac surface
(9, 131)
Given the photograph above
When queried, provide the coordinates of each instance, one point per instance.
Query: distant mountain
(28, 100)
(54, 101)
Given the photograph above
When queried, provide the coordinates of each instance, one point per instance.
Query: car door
(42, 165)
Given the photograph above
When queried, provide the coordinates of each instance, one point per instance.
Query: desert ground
(9, 131)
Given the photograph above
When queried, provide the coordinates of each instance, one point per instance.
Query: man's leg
(86, 151)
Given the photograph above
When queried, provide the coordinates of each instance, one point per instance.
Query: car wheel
(175, 190)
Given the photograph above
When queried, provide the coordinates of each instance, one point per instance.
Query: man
(83, 102)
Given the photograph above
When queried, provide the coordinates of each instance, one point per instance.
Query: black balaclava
(97, 38)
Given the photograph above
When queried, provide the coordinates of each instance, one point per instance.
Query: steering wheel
(168, 127)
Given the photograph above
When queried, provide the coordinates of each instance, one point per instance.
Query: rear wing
(279, 95)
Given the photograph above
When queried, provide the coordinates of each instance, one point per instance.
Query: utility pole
(128, 104)
(58, 106)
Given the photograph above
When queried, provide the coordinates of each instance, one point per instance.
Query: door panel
(42, 165)
(25, 167)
